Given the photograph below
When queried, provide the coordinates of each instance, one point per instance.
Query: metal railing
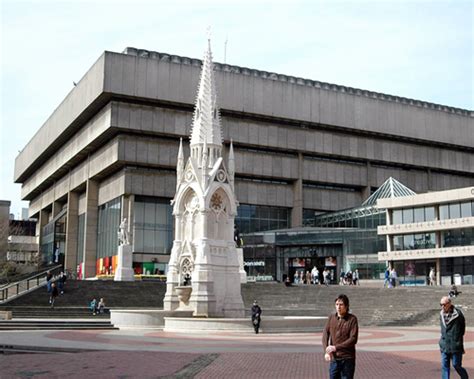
(14, 290)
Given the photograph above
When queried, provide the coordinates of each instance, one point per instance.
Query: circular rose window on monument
(221, 176)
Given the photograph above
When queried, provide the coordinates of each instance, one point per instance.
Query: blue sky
(415, 49)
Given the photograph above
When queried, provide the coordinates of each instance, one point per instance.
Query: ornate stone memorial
(204, 208)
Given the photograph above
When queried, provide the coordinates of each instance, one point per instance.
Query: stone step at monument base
(270, 324)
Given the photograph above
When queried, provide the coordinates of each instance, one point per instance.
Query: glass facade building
(432, 230)
(345, 240)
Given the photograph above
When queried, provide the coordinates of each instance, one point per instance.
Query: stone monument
(204, 208)
(124, 271)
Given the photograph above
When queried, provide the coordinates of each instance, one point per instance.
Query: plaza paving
(381, 353)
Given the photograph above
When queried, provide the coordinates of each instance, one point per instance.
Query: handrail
(13, 290)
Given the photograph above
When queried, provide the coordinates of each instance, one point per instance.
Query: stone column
(90, 229)
(366, 191)
(438, 271)
(127, 211)
(42, 221)
(57, 207)
(70, 258)
(297, 210)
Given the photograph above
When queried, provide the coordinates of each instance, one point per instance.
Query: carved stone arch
(216, 186)
(185, 270)
(182, 198)
(219, 214)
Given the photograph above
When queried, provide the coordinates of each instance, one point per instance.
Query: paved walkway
(381, 353)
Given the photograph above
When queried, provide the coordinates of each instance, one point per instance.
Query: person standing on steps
(339, 339)
(53, 295)
(451, 344)
(61, 281)
(256, 316)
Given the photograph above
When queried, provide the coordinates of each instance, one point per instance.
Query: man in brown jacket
(339, 340)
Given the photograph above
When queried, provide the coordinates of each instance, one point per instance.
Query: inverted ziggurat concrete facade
(301, 147)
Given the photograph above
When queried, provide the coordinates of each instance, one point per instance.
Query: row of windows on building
(456, 237)
(153, 225)
(423, 214)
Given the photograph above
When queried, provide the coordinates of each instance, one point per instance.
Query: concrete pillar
(127, 211)
(43, 218)
(42, 221)
(366, 191)
(70, 258)
(438, 271)
(90, 229)
(57, 207)
(430, 180)
(297, 210)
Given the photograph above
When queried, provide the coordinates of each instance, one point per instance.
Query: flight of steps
(401, 306)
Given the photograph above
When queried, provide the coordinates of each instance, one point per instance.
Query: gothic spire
(206, 125)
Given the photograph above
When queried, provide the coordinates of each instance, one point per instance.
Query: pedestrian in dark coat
(53, 295)
(61, 282)
(451, 344)
(256, 316)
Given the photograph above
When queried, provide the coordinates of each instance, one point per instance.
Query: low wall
(269, 324)
(143, 318)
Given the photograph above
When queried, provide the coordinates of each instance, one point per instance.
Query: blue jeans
(342, 369)
(457, 364)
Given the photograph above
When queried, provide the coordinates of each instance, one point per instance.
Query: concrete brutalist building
(302, 147)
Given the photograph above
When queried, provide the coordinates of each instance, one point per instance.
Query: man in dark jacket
(256, 316)
(453, 326)
(339, 339)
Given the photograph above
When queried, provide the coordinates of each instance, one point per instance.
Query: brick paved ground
(382, 353)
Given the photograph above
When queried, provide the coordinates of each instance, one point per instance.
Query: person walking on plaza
(342, 278)
(386, 282)
(432, 277)
(326, 277)
(339, 339)
(393, 278)
(453, 327)
(315, 275)
(355, 277)
(53, 295)
(256, 316)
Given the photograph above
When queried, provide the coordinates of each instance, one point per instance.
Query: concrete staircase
(401, 306)
(55, 324)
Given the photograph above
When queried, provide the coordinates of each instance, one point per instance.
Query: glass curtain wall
(253, 218)
(80, 238)
(109, 221)
(152, 225)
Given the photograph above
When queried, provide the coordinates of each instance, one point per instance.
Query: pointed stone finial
(231, 164)
(206, 122)
(180, 164)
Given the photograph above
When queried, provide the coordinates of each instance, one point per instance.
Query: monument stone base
(243, 274)
(124, 271)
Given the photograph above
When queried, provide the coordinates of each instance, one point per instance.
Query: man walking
(256, 316)
(339, 340)
(453, 326)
